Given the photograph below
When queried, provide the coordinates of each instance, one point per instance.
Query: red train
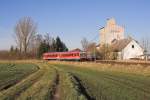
(71, 55)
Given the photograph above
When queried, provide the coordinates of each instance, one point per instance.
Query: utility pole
(94, 54)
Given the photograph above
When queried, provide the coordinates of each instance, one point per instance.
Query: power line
(97, 36)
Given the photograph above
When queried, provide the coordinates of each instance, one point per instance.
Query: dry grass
(136, 69)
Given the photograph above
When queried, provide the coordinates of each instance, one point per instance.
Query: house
(127, 49)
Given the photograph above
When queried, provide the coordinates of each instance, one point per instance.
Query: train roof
(64, 52)
(77, 49)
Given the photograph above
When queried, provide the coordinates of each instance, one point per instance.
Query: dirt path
(56, 95)
(82, 89)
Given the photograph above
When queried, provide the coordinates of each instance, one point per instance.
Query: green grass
(37, 86)
(69, 87)
(22, 81)
(43, 88)
(13, 73)
(111, 85)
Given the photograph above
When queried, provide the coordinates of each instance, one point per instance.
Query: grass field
(13, 73)
(111, 85)
(38, 80)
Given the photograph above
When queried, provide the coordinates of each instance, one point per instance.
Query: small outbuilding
(127, 49)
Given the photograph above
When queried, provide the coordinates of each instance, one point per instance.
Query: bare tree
(91, 47)
(35, 43)
(18, 39)
(84, 43)
(48, 38)
(145, 43)
(25, 30)
(107, 52)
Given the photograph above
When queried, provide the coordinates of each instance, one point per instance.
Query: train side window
(76, 54)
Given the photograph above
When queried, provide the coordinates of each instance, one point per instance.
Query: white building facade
(131, 51)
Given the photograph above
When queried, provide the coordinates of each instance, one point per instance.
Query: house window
(132, 46)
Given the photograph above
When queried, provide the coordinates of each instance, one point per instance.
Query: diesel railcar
(71, 55)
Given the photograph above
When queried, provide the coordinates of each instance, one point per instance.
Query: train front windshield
(83, 54)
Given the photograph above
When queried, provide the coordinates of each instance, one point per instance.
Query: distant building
(113, 35)
(127, 49)
(111, 32)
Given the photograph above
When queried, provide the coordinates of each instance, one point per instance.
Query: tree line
(104, 52)
(29, 44)
(49, 44)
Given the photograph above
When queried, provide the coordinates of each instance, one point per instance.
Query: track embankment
(125, 62)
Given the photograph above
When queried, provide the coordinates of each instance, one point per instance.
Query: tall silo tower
(111, 32)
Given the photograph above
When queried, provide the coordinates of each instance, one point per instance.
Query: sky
(72, 20)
